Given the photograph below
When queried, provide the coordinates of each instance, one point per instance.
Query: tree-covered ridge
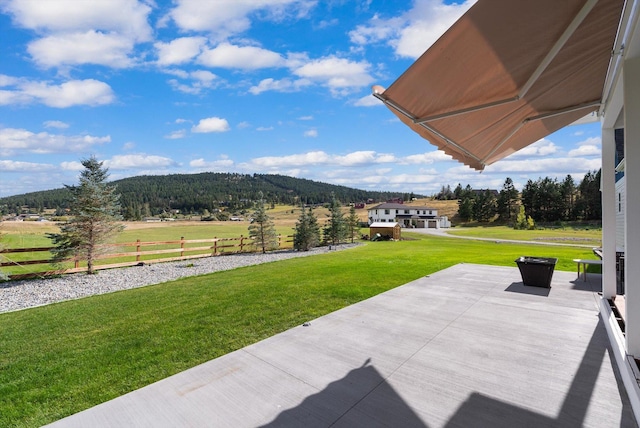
(196, 193)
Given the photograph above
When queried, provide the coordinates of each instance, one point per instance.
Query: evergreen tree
(589, 202)
(335, 229)
(353, 224)
(568, 191)
(95, 212)
(507, 200)
(262, 230)
(307, 232)
(465, 204)
(484, 206)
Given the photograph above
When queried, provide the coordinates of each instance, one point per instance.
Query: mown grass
(62, 358)
(562, 235)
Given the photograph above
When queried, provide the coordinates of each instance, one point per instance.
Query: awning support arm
(411, 117)
(422, 120)
(593, 104)
(568, 32)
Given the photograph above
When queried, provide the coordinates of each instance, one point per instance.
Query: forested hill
(195, 193)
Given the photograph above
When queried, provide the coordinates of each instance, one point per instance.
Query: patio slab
(467, 346)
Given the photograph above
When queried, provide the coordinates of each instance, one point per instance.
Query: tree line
(545, 200)
(204, 193)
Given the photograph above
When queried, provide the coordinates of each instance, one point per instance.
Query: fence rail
(182, 247)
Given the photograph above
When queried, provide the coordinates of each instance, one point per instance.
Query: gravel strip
(16, 295)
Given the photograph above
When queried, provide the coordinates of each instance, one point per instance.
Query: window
(619, 202)
(387, 212)
(406, 211)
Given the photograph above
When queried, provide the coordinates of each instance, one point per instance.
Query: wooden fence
(182, 249)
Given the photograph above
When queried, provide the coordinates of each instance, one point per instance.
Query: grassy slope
(62, 358)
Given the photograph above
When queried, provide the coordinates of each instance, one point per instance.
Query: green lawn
(563, 235)
(62, 358)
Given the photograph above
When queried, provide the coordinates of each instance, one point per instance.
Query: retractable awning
(506, 74)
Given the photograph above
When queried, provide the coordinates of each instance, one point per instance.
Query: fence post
(138, 250)
(241, 243)
(279, 241)
(77, 263)
(215, 245)
(182, 246)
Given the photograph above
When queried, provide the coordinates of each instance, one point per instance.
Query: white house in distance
(407, 216)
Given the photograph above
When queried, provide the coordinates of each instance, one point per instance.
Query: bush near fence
(123, 253)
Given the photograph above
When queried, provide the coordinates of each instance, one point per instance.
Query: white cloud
(13, 140)
(226, 55)
(311, 133)
(8, 80)
(175, 135)
(15, 166)
(73, 92)
(322, 158)
(77, 32)
(305, 117)
(340, 75)
(179, 51)
(91, 47)
(426, 158)
(377, 30)
(201, 80)
(55, 124)
(368, 101)
(222, 164)
(129, 146)
(123, 16)
(545, 166)
(72, 166)
(211, 124)
(585, 150)
(137, 161)
(540, 148)
(223, 18)
(283, 85)
(264, 128)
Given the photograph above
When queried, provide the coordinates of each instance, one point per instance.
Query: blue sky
(248, 86)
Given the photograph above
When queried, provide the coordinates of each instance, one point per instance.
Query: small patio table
(584, 263)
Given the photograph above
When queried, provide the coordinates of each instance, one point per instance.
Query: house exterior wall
(620, 202)
(406, 215)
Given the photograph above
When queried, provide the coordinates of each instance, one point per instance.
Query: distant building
(408, 216)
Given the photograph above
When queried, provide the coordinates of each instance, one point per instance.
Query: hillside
(205, 192)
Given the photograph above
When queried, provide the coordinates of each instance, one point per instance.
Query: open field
(566, 235)
(62, 358)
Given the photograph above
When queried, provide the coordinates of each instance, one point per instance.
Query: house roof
(394, 206)
(379, 224)
(506, 74)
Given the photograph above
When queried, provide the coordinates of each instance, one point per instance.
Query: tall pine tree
(353, 224)
(95, 215)
(307, 232)
(335, 230)
(262, 230)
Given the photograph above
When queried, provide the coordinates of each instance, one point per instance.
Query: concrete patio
(469, 346)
